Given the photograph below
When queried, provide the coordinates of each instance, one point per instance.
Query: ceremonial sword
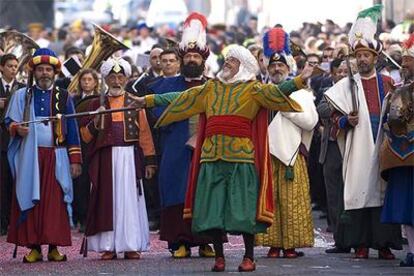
(352, 86)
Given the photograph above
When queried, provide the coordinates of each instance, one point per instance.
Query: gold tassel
(59, 129)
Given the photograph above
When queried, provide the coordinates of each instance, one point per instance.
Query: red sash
(229, 125)
(237, 126)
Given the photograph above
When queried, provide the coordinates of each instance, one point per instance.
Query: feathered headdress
(362, 33)
(276, 48)
(194, 38)
(408, 46)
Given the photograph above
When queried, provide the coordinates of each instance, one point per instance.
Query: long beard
(192, 70)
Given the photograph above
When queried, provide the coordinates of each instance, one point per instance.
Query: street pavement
(158, 261)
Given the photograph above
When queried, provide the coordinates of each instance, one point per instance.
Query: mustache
(192, 63)
(277, 74)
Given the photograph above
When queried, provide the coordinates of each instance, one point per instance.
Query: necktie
(7, 89)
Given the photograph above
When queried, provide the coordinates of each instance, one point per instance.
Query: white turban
(115, 65)
(249, 67)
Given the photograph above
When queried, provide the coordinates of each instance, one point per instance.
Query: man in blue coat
(174, 149)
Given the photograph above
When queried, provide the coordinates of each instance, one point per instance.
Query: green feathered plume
(374, 13)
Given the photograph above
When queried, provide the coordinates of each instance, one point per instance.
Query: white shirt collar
(178, 74)
(3, 81)
(155, 74)
(84, 95)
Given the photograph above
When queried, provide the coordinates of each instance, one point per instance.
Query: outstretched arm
(275, 97)
(181, 105)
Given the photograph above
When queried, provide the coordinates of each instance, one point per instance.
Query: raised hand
(307, 71)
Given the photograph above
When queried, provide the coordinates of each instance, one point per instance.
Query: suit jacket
(16, 86)
(4, 136)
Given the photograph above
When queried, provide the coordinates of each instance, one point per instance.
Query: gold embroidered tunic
(216, 98)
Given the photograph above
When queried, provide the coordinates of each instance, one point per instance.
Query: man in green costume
(230, 180)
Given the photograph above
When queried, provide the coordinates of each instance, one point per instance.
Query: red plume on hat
(276, 48)
(194, 38)
(196, 16)
(408, 46)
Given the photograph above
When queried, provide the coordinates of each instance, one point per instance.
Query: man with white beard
(230, 180)
(117, 217)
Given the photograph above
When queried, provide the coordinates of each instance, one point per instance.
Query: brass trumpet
(103, 46)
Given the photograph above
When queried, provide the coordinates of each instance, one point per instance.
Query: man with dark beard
(175, 152)
(192, 67)
(359, 226)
